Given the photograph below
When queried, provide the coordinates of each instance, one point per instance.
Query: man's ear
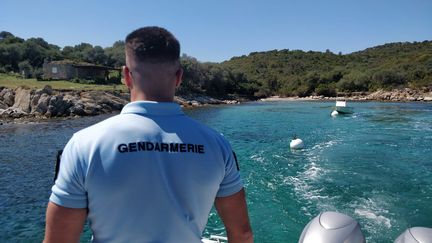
(127, 77)
(179, 76)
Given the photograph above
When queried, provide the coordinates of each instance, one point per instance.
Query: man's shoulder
(209, 131)
(202, 127)
(99, 128)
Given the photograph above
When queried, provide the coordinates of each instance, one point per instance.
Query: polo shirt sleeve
(69, 190)
(232, 182)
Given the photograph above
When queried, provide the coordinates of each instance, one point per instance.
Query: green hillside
(259, 74)
(302, 73)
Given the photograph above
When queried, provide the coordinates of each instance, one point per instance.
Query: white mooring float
(296, 143)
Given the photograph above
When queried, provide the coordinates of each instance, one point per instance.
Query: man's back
(150, 174)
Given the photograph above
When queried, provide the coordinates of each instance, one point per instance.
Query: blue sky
(220, 29)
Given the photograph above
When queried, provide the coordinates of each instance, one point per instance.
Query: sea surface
(374, 165)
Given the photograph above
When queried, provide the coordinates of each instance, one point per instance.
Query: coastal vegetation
(299, 73)
(14, 81)
(259, 74)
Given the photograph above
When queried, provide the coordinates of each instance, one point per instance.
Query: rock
(98, 102)
(8, 97)
(77, 109)
(47, 89)
(91, 109)
(34, 102)
(42, 104)
(110, 102)
(71, 97)
(58, 107)
(231, 102)
(406, 94)
(3, 91)
(19, 113)
(22, 100)
(194, 103)
(12, 113)
(3, 105)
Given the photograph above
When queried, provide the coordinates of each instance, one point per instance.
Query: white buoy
(296, 143)
(334, 113)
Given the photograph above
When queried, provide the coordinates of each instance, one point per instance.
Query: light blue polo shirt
(149, 174)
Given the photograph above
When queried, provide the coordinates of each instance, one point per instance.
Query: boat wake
(369, 214)
(321, 146)
(372, 216)
(307, 183)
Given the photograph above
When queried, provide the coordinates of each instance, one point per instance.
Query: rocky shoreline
(23, 104)
(397, 95)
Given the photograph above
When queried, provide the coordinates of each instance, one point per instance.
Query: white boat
(342, 108)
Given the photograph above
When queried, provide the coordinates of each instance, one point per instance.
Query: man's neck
(144, 97)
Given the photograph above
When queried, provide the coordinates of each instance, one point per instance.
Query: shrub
(327, 90)
(38, 73)
(388, 79)
(354, 81)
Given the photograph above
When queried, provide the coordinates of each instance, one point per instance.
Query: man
(149, 174)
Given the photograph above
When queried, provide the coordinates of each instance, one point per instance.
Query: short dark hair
(153, 44)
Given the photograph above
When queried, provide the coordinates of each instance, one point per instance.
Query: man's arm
(64, 224)
(233, 212)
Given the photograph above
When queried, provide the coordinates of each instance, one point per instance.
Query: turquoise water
(375, 165)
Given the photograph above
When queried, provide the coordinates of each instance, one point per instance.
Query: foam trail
(371, 215)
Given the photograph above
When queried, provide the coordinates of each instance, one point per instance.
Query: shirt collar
(152, 108)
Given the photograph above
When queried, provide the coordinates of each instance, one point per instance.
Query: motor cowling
(332, 227)
(415, 235)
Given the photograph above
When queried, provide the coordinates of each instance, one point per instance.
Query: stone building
(67, 70)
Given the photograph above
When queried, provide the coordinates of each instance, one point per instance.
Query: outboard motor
(332, 227)
(415, 235)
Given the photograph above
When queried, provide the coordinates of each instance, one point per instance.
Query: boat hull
(344, 110)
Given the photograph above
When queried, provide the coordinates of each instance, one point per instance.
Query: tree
(5, 34)
(354, 81)
(25, 68)
(34, 53)
(99, 56)
(388, 79)
(193, 75)
(40, 42)
(68, 52)
(116, 54)
(327, 90)
(54, 53)
(84, 52)
(9, 38)
(10, 56)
